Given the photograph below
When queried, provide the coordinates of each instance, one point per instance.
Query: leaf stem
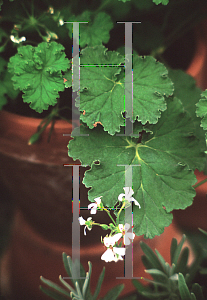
(120, 212)
(200, 183)
(109, 215)
(104, 3)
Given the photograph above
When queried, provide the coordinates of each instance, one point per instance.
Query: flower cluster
(114, 251)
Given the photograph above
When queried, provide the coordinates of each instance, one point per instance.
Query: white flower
(61, 22)
(108, 255)
(127, 235)
(113, 253)
(82, 222)
(17, 41)
(94, 206)
(111, 240)
(128, 196)
(51, 10)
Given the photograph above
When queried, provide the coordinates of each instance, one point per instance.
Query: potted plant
(167, 143)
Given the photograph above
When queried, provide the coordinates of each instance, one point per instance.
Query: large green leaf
(6, 84)
(164, 2)
(143, 5)
(150, 85)
(189, 94)
(96, 31)
(102, 93)
(37, 72)
(201, 110)
(164, 179)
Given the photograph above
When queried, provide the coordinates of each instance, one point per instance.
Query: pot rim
(15, 131)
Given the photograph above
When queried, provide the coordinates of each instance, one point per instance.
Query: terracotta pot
(42, 190)
(195, 215)
(197, 68)
(39, 183)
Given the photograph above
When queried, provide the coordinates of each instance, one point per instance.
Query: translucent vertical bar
(128, 270)
(75, 79)
(128, 80)
(75, 226)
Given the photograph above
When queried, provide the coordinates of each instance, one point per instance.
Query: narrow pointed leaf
(151, 256)
(197, 290)
(98, 287)
(178, 250)
(183, 288)
(114, 293)
(193, 297)
(172, 270)
(66, 265)
(67, 285)
(183, 260)
(155, 295)
(158, 275)
(54, 294)
(54, 286)
(173, 248)
(78, 290)
(87, 280)
(147, 262)
(162, 261)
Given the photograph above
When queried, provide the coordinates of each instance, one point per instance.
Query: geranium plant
(167, 140)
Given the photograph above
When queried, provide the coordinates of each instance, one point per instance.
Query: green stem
(110, 215)
(99, 224)
(46, 121)
(104, 3)
(120, 212)
(121, 209)
(200, 183)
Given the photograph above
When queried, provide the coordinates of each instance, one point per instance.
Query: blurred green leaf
(98, 287)
(178, 250)
(54, 286)
(183, 288)
(197, 290)
(151, 256)
(114, 293)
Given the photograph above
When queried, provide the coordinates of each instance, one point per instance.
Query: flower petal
(127, 226)
(127, 237)
(128, 192)
(111, 240)
(136, 202)
(98, 200)
(108, 255)
(116, 237)
(93, 207)
(121, 227)
(120, 197)
(81, 220)
(119, 250)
